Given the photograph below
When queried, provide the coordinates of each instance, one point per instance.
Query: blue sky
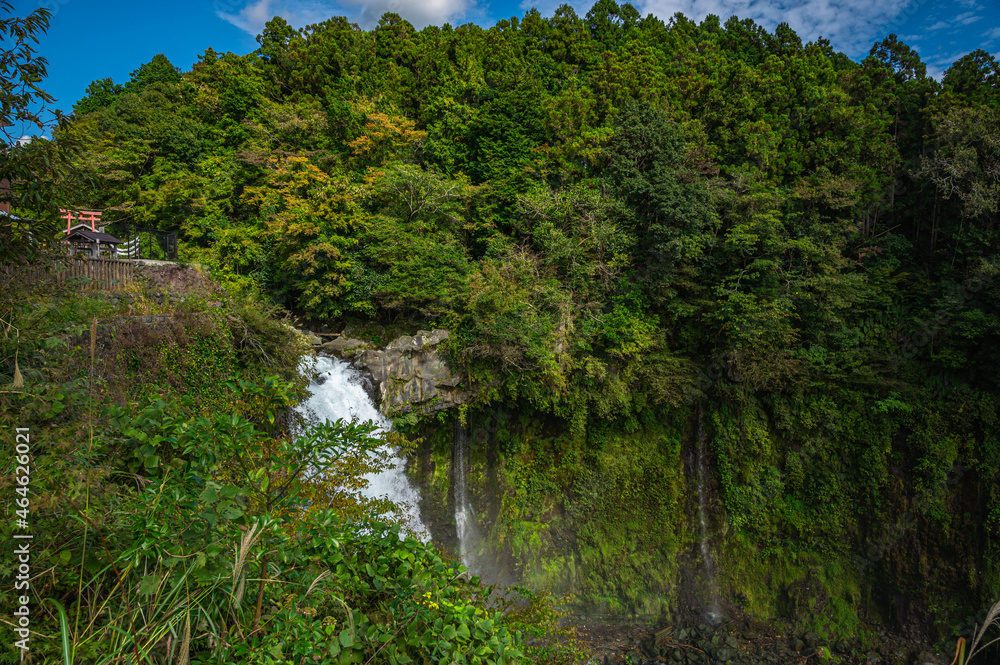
(92, 39)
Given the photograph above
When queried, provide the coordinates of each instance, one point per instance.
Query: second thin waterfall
(706, 554)
(465, 516)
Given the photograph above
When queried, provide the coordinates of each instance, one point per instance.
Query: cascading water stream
(338, 392)
(465, 516)
(706, 554)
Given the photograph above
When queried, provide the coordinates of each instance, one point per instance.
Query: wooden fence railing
(91, 274)
(104, 274)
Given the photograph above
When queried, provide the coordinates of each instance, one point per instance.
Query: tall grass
(975, 644)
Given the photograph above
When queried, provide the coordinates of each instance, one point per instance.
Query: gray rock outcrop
(410, 373)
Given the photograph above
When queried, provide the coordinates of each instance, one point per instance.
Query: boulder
(410, 373)
(340, 345)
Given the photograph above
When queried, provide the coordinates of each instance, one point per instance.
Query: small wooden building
(94, 244)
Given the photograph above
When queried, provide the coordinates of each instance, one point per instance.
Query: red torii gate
(81, 216)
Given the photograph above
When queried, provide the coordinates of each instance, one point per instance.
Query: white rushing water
(465, 516)
(339, 392)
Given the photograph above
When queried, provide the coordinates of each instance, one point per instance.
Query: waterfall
(465, 516)
(339, 392)
(706, 554)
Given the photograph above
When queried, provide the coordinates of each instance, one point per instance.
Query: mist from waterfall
(338, 391)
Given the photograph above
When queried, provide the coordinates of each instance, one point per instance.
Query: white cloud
(936, 71)
(252, 16)
(963, 19)
(418, 12)
(992, 34)
(548, 7)
(938, 63)
(851, 25)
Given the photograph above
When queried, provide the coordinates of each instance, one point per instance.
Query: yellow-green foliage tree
(309, 223)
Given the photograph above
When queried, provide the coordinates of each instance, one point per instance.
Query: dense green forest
(637, 231)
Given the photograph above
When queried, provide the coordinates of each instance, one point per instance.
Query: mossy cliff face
(602, 518)
(815, 516)
(828, 511)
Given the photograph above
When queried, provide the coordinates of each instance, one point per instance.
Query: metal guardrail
(142, 243)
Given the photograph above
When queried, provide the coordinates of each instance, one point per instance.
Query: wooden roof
(93, 236)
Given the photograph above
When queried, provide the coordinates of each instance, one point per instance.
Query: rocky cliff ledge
(410, 372)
